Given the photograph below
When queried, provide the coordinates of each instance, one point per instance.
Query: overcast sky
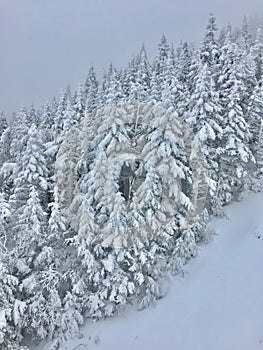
(47, 44)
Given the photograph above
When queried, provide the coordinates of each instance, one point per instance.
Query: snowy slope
(218, 305)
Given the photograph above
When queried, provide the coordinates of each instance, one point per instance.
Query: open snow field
(218, 305)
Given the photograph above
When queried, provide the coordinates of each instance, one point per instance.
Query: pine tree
(18, 132)
(79, 103)
(4, 141)
(70, 117)
(155, 92)
(5, 216)
(46, 124)
(173, 96)
(28, 232)
(183, 59)
(257, 53)
(160, 63)
(33, 116)
(91, 91)
(193, 71)
(113, 93)
(58, 124)
(140, 84)
(27, 202)
(3, 123)
(255, 117)
(209, 48)
(11, 310)
(206, 120)
(236, 135)
(33, 170)
(245, 37)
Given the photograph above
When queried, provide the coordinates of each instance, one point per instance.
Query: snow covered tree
(155, 92)
(193, 71)
(79, 103)
(255, 118)
(68, 323)
(28, 232)
(245, 39)
(70, 117)
(173, 93)
(235, 127)
(140, 84)
(5, 142)
(47, 122)
(257, 53)
(33, 116)
(3, 123)
(91, 91)
(183, 58)
(11, 309)
(18, 132)
(160, 63)
(209, 48)
(247, 64)
(204, 115)
(205, 118)
(33, 170)
(5, 216)
(58, 124)
(113, 93)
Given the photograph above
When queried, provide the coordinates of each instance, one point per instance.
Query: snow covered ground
(218, 305)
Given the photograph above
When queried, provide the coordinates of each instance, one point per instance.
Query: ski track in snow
(217, 305)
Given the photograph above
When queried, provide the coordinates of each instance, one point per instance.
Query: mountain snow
(217, 305)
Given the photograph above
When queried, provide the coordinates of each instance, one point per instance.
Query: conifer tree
(209, 48)
(3, 123)
(18, 133)
(140, 84)
(160, 63)
(91, 91)
(206, 120)
(257, 53)
(58, 126)
(245, 37)
(173, 95)
(255, 117)
(79, 103)
(11, 310)
(113, 93)
(183, 58)
(155, 93)
(4, 140)
(235, 130)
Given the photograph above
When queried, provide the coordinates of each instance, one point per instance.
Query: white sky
(47, 44)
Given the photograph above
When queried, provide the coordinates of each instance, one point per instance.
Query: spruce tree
(140, 84)
(209, 48)
(257, 53)
(206, 120)
(91, 91)
(235, 129)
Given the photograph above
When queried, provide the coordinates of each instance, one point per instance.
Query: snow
(217, 305)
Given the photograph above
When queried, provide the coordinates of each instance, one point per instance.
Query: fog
(47, 44)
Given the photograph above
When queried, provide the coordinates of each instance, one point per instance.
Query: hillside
(217, 305)
(106, 191)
